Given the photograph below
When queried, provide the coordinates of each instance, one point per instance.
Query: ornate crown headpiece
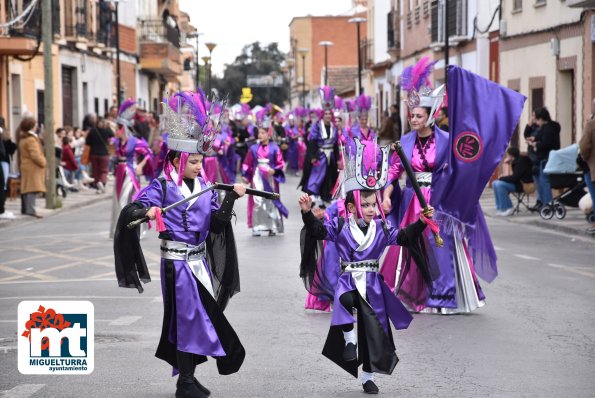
(190, 121)
(367, 168)
(415, 80)
(327, 97)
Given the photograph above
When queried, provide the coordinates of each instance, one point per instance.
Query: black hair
(350, 198)
(171, 155)
(514, 152)
(543, 114)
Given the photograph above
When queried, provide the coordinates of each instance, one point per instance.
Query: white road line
(23, 390)
(573, 269)
(497, 248)
(66, 281)
(525, 257)
(136, 297)
(157, 299)
(125, 320)
(4, 350)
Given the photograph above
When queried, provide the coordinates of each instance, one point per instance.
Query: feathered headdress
(415, 80)
(362, 105)
(126, 114)
(339, 103)
(327, 97)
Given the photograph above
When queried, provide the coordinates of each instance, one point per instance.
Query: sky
(232, 24)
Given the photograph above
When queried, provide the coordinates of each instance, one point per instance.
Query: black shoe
(202, 388)
(370, 387)
(538, 205)
(350, 352)
(187, 390)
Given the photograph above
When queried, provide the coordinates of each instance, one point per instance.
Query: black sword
(216, 186)
(416, 188)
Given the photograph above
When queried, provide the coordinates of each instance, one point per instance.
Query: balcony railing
(33, 23)
(367, 51)
(157, 31)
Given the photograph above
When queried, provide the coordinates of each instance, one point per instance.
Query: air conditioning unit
(503, 28)
(555, 47)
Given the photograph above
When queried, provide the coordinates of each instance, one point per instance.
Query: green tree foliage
(254, 60)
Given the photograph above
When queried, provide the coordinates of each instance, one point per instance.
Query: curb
(54, 212)
(553, 226)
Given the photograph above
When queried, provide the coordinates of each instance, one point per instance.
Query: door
(67, 96)
(15, 101)
(40, 107)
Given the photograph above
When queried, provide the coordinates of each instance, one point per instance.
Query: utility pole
(48, 103)
(446, 41)
(118, 82)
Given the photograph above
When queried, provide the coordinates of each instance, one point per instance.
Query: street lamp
(303, 52)
(358, 21)
(211, 46)
(326, 45)
(207, 60)
(118, 74)
(196, 35)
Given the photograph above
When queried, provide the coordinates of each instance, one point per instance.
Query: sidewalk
(73, 200)
(574, 223)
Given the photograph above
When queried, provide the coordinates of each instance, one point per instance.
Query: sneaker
(507, 212)
(7, 215)
(100, 187)
(256, 234)
(350, 352)
(370, 387)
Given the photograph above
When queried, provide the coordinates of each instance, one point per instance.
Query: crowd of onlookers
(83, 157)
(542, 136)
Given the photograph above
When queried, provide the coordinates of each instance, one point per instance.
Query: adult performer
(134, 157)
(195, 288)
(452, 170)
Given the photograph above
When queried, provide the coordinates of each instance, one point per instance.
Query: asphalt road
(534, 338)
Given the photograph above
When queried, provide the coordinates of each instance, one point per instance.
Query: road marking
(497, 248)
(135, 297)
(157, 299)
(125, 320)
(25, 273)
(23, 390)
(525, 257)
(23, 259)
(573, 269)
(4, 350)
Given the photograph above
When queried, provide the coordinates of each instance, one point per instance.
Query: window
(537, 98)
(517, 5)
(96, 106)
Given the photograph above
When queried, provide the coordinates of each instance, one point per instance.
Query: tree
(254, 60)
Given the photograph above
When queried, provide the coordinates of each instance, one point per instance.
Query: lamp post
(207, 61)
(326, 45)
(303, 52)
(118, 74)
(358, 21)
(196, 35)
(211, 46)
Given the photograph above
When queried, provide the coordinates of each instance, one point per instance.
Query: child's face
(193, 166)
(263, 136)
(368, 203)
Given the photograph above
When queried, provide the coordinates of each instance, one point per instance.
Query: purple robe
(192, 329)
(322, 175)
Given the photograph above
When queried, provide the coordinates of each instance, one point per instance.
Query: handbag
(86, 155)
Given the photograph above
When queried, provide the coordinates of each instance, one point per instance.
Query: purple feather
(417, 76)
(339, 103)
(125, 105)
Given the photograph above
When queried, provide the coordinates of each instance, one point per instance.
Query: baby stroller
(561, 170)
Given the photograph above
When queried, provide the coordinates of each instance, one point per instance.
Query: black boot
(538, 205)
(370, 387)
(202, 388)
(350, 352)
(189, 390)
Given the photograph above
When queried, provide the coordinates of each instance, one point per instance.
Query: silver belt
(328, 146)
(172, 250)
(264, 161)
(424, 179)
(356, 266)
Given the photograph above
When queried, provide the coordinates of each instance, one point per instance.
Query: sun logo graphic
(56, 337)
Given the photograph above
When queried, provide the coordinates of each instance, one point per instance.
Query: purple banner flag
(482, 117)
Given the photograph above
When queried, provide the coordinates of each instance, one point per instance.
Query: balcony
(159, 48)
(393, 31)
(22, 40)
(457, 23)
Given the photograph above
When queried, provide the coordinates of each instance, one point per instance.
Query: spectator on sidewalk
(390, 130)
(98, 139)
(521, 173)
(545, 140)
(7, 149)
(32, 164)
(587, 152)
(69, 163)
